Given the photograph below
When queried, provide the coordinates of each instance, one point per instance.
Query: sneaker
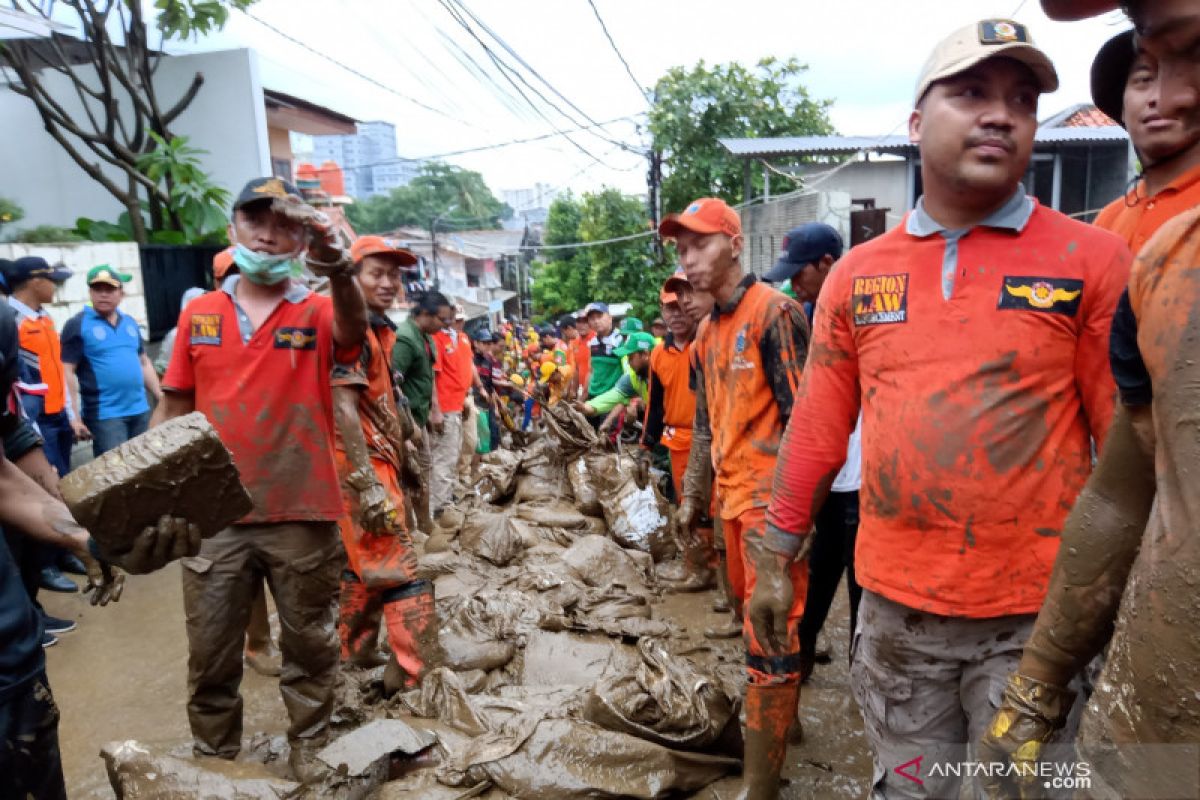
(52, 579)
(49, 640)
(57, 625)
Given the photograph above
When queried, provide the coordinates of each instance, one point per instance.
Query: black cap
(484, 336)
(802, 246)
(1110, 72)
(265, 189)
(27, 268)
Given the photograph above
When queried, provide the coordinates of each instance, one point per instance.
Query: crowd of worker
(984, 418)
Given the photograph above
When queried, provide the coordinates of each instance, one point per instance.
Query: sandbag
(570, 430)
(638, 519)
(585, 475)
(667, 702)
(497, 538)
(136, 773)
(179, 468)
(601, 562)
(479, 631)
(551, 514)
(567, 759)
(497, 476)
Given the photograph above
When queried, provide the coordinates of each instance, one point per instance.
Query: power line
(613, 44)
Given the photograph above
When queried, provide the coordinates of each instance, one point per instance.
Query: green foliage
(10, 212)
(694, 108)
(181, 19)
(46, 234)
(95, 230)
(197, 206)
(619, 272)
(459, 198)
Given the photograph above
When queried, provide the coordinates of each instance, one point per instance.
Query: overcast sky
(862, 54)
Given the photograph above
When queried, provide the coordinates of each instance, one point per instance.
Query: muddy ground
(122, 675)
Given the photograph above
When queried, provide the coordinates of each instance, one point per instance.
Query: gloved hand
(327, 254)
(410, 475)
(1029, 714)
(641, 468)
(376, 512)
(688, 514)
(772, 552)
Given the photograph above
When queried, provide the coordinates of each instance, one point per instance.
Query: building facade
(368, 158)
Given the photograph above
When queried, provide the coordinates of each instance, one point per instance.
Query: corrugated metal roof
(897, 145)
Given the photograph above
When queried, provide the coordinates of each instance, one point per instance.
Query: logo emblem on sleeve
(296, 339)
(880, 299)
(1050, 295)
(206, 329)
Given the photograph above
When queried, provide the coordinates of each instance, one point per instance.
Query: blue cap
(484, 336)
(601, 307)
(27, 268)
(801, 247)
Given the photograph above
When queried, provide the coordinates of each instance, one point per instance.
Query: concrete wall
(73, 296)
(227, 119)
(883, 180)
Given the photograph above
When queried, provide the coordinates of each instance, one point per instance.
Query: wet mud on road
(122, 675)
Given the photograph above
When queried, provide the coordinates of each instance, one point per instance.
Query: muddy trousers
(926, 686)
(30, 760)
(301, 562)
(447, 447)
(832, 553)
(421, 517)
(470, 440)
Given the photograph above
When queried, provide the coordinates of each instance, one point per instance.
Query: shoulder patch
(296, 339)
(880, 299)
(206, 329)
(1051, 295)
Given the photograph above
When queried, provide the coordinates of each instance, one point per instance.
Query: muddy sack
(600, 562)
(570, 430)
(497, 538)
(586, 476)
(136, 773)
(567, 759)
(479, 631)
(667, 702)
(497, 476)
(552, 514)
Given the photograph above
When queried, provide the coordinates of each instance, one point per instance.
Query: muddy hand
(326, 254)
(158, 545)
(105, 583)
(1030, 712)
(688, 514)
(377, 514)
(771, 600)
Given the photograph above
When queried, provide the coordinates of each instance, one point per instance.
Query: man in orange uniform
(1126, 569)
(382, 574)
(454, 375)
(1126, 86)
(255, 357)
(974, 340)
(749, 354)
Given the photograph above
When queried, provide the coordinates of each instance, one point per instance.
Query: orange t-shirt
(454, 368)
(670, 374)
(748, 359)
(268, 398)
(581, 347)
(1136, 223)
(978, 411)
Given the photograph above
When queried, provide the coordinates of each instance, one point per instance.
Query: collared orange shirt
(978, 410)
(1135, 217)
(671, 407)
(749, 355)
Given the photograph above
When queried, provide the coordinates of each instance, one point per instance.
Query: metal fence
(765, 225)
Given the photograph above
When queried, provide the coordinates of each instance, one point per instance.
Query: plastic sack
(136, 773)
(497, 538)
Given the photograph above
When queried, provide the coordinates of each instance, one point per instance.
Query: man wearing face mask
(255, 356)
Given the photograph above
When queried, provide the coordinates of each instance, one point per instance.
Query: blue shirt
(108, 364)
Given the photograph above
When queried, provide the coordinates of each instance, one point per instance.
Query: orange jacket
(749, 355)
(978, 411)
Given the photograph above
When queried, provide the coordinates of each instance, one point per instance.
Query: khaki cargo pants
(927, 685)
(302, 562)
(447, 448)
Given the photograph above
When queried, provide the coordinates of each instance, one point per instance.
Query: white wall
(883, 180)
(227, 118)
(79, 258)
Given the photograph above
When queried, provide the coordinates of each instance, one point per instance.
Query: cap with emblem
(379, 246)
(1110, 73)
(26, 268)
(980, 41)
(265, 189)
(704, 216)
(108, 276)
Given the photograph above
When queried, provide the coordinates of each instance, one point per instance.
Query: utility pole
(433, 244)
(654, 196)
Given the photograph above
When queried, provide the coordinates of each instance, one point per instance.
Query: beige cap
(979, 41)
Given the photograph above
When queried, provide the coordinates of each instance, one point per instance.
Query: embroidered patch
(296, 338)
(1002, 31)
(880, 299)
(206, 329)
(1052, 295)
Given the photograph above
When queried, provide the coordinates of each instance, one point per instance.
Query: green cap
(631, 325)
(637, 342)
(107, 275)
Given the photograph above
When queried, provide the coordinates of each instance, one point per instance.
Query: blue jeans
(110, 433)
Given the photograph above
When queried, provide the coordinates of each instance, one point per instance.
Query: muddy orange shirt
(1135, 217)
(671, 407)
(453, 370)
(267, 393)
(372, 375)
(749, 354)
(978, 408)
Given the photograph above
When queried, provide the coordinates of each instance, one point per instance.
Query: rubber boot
(411, 619)
(261, 653)
(700, 562)
(306, 767)
(358, 623)
(731, 628)
(770, 711)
